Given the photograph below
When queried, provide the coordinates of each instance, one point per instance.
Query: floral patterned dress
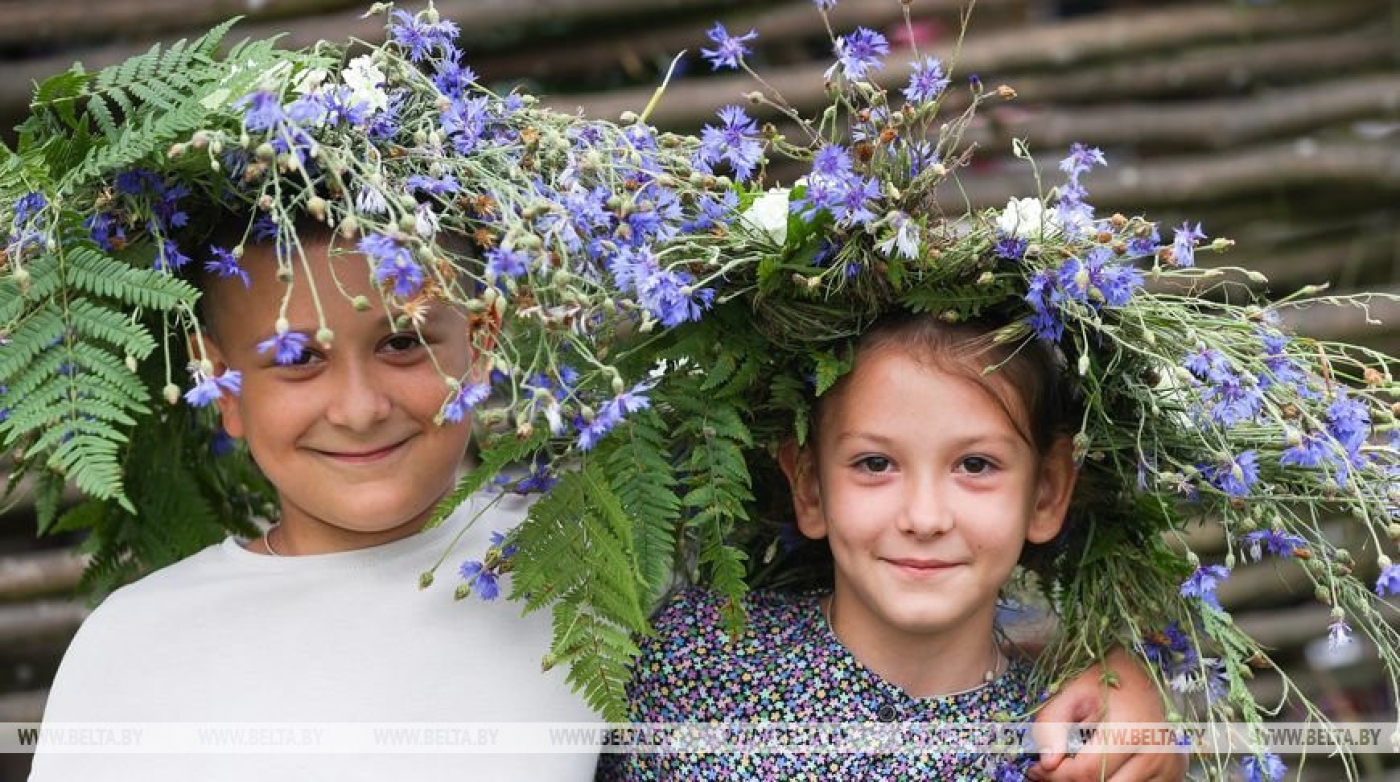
(790, 667)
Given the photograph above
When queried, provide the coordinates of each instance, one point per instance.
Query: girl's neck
(924, 665)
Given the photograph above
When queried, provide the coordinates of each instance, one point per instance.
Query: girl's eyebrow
(959, 443)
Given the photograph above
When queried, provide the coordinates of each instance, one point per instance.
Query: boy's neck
(308, 536)
(922, 665)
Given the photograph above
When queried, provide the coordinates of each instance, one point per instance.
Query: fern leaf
(97, 108)
(99, 322)
(499, 453)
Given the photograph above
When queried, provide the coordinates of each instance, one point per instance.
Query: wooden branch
(1052, 46)
(23, 576)
(39, 623)
(776, 23)
(1197, 179)
(27, 23)
(23, 706)
(1214, 124)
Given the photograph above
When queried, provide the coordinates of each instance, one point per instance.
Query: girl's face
(926, 492)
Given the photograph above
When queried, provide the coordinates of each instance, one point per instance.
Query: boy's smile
(348, 435)
(925, 490)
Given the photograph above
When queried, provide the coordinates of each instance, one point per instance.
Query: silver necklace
(267, 541)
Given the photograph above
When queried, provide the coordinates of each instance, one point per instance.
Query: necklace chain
(267, 541)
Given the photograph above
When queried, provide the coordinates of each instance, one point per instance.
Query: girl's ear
(801, 470)
(230, 415)
(1053, 493)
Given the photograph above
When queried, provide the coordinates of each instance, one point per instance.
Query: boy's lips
(363, 455)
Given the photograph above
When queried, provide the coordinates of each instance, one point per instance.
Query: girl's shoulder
(699, 615)
(691, 669)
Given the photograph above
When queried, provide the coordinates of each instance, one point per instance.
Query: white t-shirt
(229, 635)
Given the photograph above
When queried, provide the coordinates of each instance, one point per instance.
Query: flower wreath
(663, 321)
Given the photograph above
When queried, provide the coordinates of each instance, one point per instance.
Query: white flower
(310, 81)
(769, 214)
(905, 237)
(1026, 218)
(555, 416)
(364, 80)
(425, 221)
(371, 201)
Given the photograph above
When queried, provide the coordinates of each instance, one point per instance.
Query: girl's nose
(926, 512)
(359, 400)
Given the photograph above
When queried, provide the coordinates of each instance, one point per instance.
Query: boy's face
(926, 492)
(347, 434)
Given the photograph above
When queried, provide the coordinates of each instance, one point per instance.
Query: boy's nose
(926, 512)
(359, 400)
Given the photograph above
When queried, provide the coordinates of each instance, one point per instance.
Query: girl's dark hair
(1041, 401)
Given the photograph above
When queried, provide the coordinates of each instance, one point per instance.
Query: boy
(322, 619)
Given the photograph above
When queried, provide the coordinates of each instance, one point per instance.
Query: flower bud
(21, 276)
(172, 393)
(216, 146)
(177, 149)
(1083, 364)
(1383, 561)
(627, 117)
(324, 337)
(130, 363)
(316, 207)
(349, 227)
(265, 152)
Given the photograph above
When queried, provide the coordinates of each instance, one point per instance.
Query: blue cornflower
(468, 397)
(482, 581)
(1282, 369)
(106, 231)
(286, 348)
(926, 81)
(1310, 451)
(729, 51)
(427, 184)
(170, 257)
(28, 206)
(222, 444)
(498, 540)
(1263, 768)
(208, 388)
(1203, 582)
(264, 110)
(341, 106)
(421, 38)
(832, 161)
(611, 414)
(1081, 158)
(505, 262)
(395, 264)
(1044, 297)
(464, 122)
(1208, 363)
(1171, 650)
(736, 142)
(1349, 421)
(1236, 398)
(1139, 246)
(1184, 244)
(1388, 582)
(1236, 477)
(265, 229)
(859, 53)
(137, 181)
(1278, 543)
(854, 207)
(225, 265)
(452, 78)
(538, 481)
(672, 298)
(712, 212)
(1011, 248)
(308, 109)
(385, 123)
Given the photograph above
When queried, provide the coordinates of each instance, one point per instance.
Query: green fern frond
(576, 553)
(641, 473)
(960, 301)
(97, 273)
(109, 325)
(495, 456)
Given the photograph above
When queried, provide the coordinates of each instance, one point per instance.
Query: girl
(927, 478)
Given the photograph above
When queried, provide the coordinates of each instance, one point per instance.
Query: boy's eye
(975, 465)
(874, 464)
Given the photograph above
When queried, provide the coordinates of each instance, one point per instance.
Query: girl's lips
(921, 567)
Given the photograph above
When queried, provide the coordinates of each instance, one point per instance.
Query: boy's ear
(1056, 487)
(800, 468)
(231, 416)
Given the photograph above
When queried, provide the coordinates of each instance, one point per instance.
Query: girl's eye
(874, 464)
(403, 343)
(975, 465)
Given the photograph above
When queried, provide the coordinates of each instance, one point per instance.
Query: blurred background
(1275, 124)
